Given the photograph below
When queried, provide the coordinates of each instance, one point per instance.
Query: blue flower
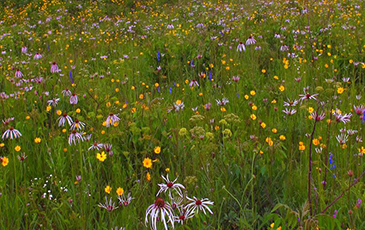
(72, 81)
(158, 55)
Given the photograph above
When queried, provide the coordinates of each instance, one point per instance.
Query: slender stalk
(310, 164)
(343, 192)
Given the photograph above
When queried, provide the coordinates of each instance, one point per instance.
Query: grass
(141, 61)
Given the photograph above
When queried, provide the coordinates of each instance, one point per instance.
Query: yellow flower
(101, 156)
(157, 149)
(340, 90)
(59, 112)
(273, 101)
(315, 141)
(27, 117)
(147, 163)
(263, 71)
(37, 140)
(274, 130)
(253, 116)
(78, 110)
(254, 107)
(148, 176)
(108, 189)
(263, 125)
(141, 96)
(2, 144)
(282, 137)
(4, 161)
(253, 93)
(223, 109)
(120, 191)
(281, 88)
(310, 110)
(301, 146)
(246, 97)
(17, 148)
(49, 108)
(272, 225)
(167, 169)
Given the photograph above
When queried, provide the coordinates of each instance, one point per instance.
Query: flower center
(198, 202)
(160, 203)
(170, 184)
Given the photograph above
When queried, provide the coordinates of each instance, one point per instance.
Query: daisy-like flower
(289, 111)
(291, 102)
(54, 68)
(284, 48)
(342, 138)
(195, 205)
(75, 136)
(53, 102)
(342, 118)
(178, 105)
(351, 132)
(223, 102)
(109, 206)
(318, 117)
(108, 149)
(8, 120)
(235, 78)
(11, 133)
(37, 56)
(62, 119)
(66, 92)
(159, 211)
(184, 215)
(79, 125)
(18, 74)
(193, 83)
(125, 201)
(22, 157)
(73, 99)
(359, 109)
(24, 49)
(96, 146)
(306, 95)
(250, 41)
(241, 47)
(111, 119)
(170, 185)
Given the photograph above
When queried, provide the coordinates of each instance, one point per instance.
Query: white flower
(160, 210)
(12, 133)
(109, 206)
(62, 119)
(79, 125)
(96, 146)
(241, 47)
(111, 119)
(53, 102)
(170, 185)
(250, 41)
(74, 99)
(195, 205)
(75, 136)
(125, 201)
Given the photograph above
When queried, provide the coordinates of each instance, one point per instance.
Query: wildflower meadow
(182, 114)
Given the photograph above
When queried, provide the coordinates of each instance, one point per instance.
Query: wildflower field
(184, 114)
